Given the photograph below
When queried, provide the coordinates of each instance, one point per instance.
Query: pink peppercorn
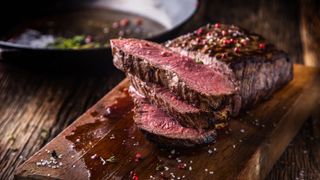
(124, 22)
(223, 32)
(199, 31)
(237, 49)
(262, 45)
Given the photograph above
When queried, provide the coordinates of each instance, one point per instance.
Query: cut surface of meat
(160, 127)
(186, 114)
(206, 87)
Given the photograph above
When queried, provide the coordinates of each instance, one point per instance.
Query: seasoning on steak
(208, 88)
(258, 65)
(162, 129)
(186, 114)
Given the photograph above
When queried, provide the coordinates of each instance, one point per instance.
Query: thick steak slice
(162, 129)
(206, 87)
(186, 114)
(258, 66)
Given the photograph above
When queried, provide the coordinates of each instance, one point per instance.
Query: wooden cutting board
(104, 143)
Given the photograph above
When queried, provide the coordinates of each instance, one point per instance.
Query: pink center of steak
(182, 107)
(156, 121)
(199, 77)
(165, 95)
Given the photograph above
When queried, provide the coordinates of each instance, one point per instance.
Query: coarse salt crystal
(173, 151)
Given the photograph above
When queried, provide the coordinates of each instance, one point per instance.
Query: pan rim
(10, 45)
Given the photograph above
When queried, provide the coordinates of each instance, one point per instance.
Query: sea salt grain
(112, 136)
(94, 156)
(173, 151)
(242, 130)
(210, 151)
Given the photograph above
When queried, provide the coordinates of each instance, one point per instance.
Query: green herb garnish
(12, 138)
(44, 133)
(111, 159)
(76, 42)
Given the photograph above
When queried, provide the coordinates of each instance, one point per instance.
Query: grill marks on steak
(163, 129)
(186, 114)
(259, 67)
(207, 88)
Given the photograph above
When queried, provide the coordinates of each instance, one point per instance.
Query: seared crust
(259, 67)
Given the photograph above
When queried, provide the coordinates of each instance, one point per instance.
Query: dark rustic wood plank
(310, 31)
(301, 158)
(36, 106)
(247, 150)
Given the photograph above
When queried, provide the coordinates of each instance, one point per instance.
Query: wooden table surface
(36, 105)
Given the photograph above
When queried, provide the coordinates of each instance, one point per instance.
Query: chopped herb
(159, 167)
(12, 138)
(77, 42)
(198, 61)
(44, 133)
(111, 159)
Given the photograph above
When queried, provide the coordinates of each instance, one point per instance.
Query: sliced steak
(208, 88)
(186, 114)
(162, 129)
(258, 66)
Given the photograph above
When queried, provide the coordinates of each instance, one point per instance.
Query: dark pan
(171, 14)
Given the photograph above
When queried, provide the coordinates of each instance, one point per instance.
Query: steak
(163, 129)
(208, 88)
(187, 86)
(258, 66)
(186, 114)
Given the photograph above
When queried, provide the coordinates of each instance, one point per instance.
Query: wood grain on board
(247, 150)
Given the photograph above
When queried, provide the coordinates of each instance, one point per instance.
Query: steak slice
(208, 88)
(186, 114)
(164, 130)
(258, 66)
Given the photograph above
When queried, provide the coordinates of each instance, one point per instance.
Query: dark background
(36, 104)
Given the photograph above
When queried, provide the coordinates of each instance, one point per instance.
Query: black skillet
(170, 14)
